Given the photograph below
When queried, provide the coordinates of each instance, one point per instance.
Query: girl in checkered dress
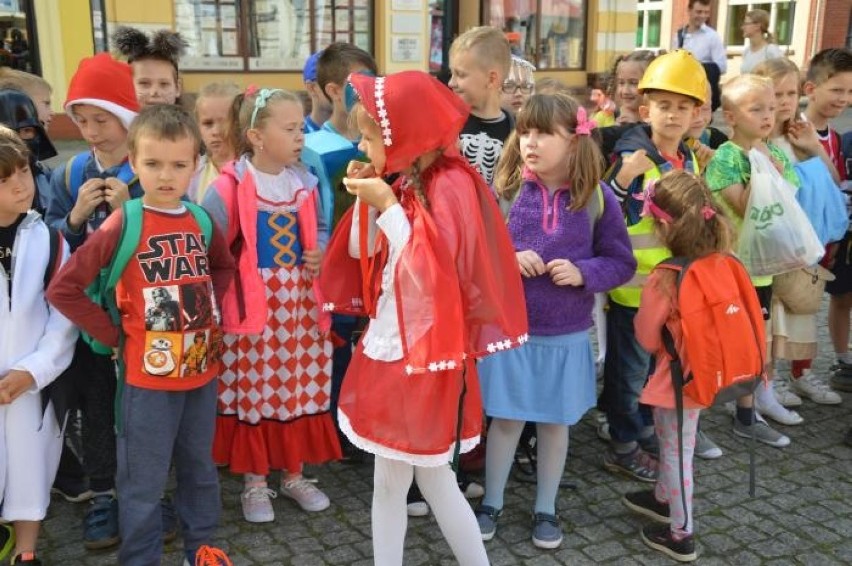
(274, 391)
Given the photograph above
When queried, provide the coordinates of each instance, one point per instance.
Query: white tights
(439, 487)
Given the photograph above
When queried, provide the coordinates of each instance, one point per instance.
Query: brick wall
(835, 23)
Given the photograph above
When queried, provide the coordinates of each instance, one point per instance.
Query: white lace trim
(381, 109)
(426, 461)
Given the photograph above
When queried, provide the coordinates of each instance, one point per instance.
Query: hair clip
(260, 102)
(649, 207)
(708, 212)
(584, 124)
(251, 90)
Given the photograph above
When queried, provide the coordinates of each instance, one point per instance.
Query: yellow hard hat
(677, 71)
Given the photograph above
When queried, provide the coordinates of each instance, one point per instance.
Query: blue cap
(309, 73)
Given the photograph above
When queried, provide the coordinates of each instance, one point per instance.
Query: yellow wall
(65, 32)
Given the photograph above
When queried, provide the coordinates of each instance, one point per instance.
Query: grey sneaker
(547, 531)
(762, 432)
(487, 517)
(841, 377)
(705, 448)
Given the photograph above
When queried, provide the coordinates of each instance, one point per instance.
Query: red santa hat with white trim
(106, 83)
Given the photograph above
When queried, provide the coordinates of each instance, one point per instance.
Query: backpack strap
(74, 171)
(202, 217)
(54, 258)
(680, 265)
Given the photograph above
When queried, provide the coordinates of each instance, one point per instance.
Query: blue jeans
(626, 369)
(157, 426)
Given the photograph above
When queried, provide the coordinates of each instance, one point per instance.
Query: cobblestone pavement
(802, 513)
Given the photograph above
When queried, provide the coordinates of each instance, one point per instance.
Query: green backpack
(102, 289)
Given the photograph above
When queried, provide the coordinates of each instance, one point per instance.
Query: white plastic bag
(776, 235)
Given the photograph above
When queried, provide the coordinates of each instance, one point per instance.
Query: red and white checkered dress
(275, 387)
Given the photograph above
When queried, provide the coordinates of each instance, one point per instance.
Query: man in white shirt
(704, 43)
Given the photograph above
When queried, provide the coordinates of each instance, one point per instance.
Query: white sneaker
(306, 494)
(778, 413)
(418, 509)
(705, 447)
(810, 386)
(783, 393)
(472, 490)
(257, 504)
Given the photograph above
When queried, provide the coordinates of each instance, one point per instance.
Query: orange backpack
(723, 335)
(723, 329)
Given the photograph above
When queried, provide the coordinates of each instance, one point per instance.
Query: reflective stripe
(644, 241)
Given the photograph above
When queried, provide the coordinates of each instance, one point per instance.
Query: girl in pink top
(689, 224)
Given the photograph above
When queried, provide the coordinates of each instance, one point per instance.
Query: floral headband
(263, 96)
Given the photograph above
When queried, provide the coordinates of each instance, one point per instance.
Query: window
(781, 14)
(263, 35)
(649, 24)
(549, 33)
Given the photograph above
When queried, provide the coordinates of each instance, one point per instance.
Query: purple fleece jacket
(540, 221)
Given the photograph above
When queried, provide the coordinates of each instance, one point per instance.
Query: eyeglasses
(511, 87)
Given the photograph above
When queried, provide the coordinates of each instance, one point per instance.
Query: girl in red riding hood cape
(430, 261)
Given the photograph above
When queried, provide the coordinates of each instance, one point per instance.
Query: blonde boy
(748, 103)
(480, 60)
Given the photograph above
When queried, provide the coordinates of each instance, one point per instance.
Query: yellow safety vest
(647, 250)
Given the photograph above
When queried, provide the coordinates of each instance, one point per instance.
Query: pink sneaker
(306, 494)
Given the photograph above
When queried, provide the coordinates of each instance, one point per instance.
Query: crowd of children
(260, 287)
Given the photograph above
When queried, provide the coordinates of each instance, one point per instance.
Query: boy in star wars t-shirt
(172, 340)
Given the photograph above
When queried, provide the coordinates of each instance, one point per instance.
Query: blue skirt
(550, 379)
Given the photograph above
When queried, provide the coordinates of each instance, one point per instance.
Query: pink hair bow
(708, 212)
(584, 124)
(251, 90)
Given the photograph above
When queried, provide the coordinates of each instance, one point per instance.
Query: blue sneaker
(207, 556)
(547, 531)
(7, 541)
(100, 527)
(487, 517)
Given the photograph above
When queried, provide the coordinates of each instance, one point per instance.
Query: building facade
(265, 42)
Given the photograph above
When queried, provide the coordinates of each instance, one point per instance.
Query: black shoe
(659, 537)
(72, 489)
(26, 558)
(167, 509)
(645, 503)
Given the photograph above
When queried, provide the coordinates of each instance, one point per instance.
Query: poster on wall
(210, 47)
(281, 34)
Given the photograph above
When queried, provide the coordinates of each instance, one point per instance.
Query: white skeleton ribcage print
(482, 151)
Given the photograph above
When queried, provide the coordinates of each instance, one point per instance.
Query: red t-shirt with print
(166, 296)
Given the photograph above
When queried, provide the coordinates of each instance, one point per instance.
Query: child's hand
(89, 196)
(563, 272)
(632, 166)
(14, 384)
(704, 154)
(372, 191)
(116, 193)
(530, 263)
(360, 170)
(803, 136)
(312, 259)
